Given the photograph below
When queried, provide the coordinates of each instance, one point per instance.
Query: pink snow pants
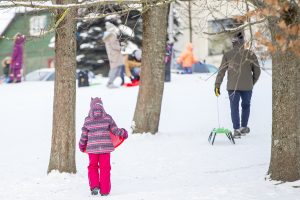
(99, 163)
(15, 74)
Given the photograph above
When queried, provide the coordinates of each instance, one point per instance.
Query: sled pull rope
(218, 112)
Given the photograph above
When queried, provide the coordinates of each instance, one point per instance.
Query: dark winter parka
(243, 69)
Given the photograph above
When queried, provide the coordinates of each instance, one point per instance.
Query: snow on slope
(176, 164)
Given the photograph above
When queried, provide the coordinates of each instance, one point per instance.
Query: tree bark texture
(62, 156)
(148, 108)
(285, 153)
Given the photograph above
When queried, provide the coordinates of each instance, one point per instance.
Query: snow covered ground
(176, 164)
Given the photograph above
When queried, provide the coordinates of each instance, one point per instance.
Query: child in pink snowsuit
(17, 59)
(96, 141)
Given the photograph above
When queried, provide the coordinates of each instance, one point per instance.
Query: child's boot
(95, 191)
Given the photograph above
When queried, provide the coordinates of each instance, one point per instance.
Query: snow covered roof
(7, 15)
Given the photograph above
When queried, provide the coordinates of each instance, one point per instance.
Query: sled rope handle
(218, 112)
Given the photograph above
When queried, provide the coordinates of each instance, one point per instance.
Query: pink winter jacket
(17, 54)
(95, 137)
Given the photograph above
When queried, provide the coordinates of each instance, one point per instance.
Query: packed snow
(177, 163)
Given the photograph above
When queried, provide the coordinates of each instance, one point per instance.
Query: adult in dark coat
(17, 58)
(168, 60)
(243, 72)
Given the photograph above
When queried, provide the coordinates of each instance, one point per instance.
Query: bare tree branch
(248, 20)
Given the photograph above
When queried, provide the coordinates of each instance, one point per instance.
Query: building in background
(193, 19)
(31, 23)
(202, 16)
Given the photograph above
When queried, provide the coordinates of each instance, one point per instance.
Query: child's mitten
(125, 134)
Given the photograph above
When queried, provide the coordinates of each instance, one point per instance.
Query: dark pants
(15, 75)
(234, 97)
(168, 71)
(135, 72)
(187, 70)
(122, 73)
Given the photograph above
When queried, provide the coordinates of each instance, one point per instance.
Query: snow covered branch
(50, 5)
(136, 4)
(144, 7)
(237, 29)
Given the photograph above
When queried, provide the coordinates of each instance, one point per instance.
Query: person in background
(132, 67)
(6, 67)
(187, 59)
(168, 60)
(113, 49)
(96, 141)
(17, 59)
(243, 72)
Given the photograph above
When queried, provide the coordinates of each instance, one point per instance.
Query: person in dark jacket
(17, 59)
(168, 60)
(6, 67)
(243, 72)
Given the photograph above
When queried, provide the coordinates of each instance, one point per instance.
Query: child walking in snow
(16, 64)
(187, 59)
(96, 141)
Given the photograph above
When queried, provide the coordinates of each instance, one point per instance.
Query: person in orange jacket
(187, 59)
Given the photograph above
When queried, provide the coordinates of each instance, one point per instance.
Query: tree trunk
(147, 112)
(285, 154)
(62, 156)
